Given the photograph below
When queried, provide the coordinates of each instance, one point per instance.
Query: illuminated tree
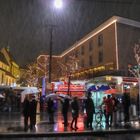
(42, 66)
(32, 74)
(135, 70)
(69, 68)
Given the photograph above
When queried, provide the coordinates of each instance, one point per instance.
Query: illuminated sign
(75, 90)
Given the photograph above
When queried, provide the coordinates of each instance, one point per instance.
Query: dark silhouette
(50, 109)
(26, 112)
(90, 110)
(65, 108)
(41, 103)
(75, 112)
(104, 106)
(33, 107)
(115, 109)
(109, 110)
(126, 105)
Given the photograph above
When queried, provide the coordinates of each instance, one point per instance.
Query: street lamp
(58, 4)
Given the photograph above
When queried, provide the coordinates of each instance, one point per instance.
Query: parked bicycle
(98, 116)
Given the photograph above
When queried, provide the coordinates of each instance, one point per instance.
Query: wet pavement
(13, 123)
(12, 127)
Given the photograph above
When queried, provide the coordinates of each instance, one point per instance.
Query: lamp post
(50, 53)
(57, 4)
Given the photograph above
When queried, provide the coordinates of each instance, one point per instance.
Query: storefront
(118, 85)
(76, 88)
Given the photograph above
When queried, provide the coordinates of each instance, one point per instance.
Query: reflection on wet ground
(13, 123)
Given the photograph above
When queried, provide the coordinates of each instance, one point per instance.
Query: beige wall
(108, 49)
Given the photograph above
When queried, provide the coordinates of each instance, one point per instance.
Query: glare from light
(58, 4)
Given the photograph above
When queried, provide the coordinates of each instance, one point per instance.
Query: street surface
(11, 123)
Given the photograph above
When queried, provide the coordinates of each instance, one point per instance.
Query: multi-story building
(108, 49)
(9, 69)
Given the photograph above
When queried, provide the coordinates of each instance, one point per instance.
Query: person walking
(26, 112)
(90, 110)
(33, 107)
(50, 109)
(65, 109)
(75, 113)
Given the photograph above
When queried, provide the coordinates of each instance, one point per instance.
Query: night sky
(24, 24)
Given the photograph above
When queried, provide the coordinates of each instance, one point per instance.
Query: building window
(82, 63)
(90, 45)
(76, 53)
(82, 50)
(100, 57)
(100, 40)
(90, 60)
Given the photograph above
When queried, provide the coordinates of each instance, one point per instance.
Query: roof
(107, 23)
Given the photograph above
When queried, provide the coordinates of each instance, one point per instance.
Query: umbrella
(111, 91)
(30, 90)
(52, 95)
(64, 96)
(103, 88)
(1, 96)
(92, 88)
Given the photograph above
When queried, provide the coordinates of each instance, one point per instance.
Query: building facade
(108, 49)
(9, 69)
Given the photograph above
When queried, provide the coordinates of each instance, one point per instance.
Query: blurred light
(58, 4)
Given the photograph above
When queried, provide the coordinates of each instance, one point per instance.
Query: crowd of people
(109, 105)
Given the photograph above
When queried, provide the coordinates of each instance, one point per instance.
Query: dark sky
(24, 23)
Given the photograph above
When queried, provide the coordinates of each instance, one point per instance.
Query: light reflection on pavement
(13, 123)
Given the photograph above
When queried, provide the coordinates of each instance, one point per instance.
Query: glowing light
(117, 59)
(58, 4)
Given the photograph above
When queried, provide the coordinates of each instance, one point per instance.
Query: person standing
(26, 112)
(33, 107)
(50, 109)
(109, 111)
(103, 105)
(115, 109)
(75, 113)
(65, 109)
(90, 110)
(126, 105)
